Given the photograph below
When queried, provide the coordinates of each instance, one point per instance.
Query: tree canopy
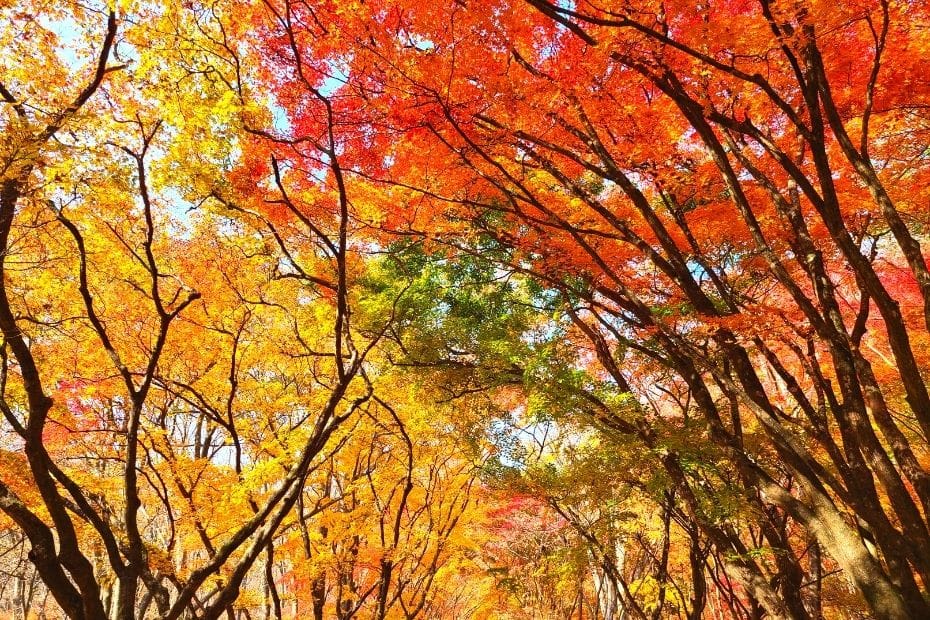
(464, 309)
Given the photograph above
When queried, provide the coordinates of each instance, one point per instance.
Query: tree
(722, 193)
(248, 251)
(146, 398)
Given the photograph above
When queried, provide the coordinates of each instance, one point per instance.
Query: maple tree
(722, 199)
(303, 301)
(163, 439)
